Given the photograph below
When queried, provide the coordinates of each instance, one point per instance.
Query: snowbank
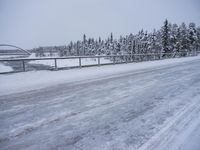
(4, 68)
(20, 82)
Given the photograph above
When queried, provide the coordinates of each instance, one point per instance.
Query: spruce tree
(192, 37)
(165, 37)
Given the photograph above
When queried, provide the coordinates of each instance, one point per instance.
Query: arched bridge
(23, 52)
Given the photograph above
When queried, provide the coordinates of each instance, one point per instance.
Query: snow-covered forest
(170, 38)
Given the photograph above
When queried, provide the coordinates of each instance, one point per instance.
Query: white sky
(33, 23)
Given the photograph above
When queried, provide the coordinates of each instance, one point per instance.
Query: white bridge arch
(18, 48)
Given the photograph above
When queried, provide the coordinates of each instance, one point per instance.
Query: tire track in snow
(172, 129)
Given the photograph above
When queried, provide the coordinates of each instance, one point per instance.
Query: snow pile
(24, 81)
(4, 68)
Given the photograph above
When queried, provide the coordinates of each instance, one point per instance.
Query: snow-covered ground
(146, 106)
(4, 68)
(71, 62)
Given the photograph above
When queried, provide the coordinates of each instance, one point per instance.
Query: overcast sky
(33, 23)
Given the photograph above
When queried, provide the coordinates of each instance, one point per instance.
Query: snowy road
(154, 110)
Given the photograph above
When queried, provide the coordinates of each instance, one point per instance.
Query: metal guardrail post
(114, 61)
(160, 55)
(23, 65)
(98, 61)
(79, 62)
(55, 61)
(195, 52)
(131, 60)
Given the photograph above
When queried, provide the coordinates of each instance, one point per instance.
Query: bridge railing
(27, 64)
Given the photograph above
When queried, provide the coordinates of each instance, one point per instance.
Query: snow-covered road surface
(156, 109)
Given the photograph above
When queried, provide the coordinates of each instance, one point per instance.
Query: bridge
(16, 51)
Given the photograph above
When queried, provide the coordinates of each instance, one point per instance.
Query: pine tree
(184, 41)
(192, 36)
(173, 37)
(178, 41)
(84, 44)
(198, 39)
(111, 37)
(165, 37)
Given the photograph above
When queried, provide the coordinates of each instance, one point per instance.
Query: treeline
(170, 38)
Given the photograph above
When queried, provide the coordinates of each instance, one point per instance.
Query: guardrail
(23, 63)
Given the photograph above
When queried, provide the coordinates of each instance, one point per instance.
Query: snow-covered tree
(165, 37)
(170, 38)
(192, 36)
(184, 41)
